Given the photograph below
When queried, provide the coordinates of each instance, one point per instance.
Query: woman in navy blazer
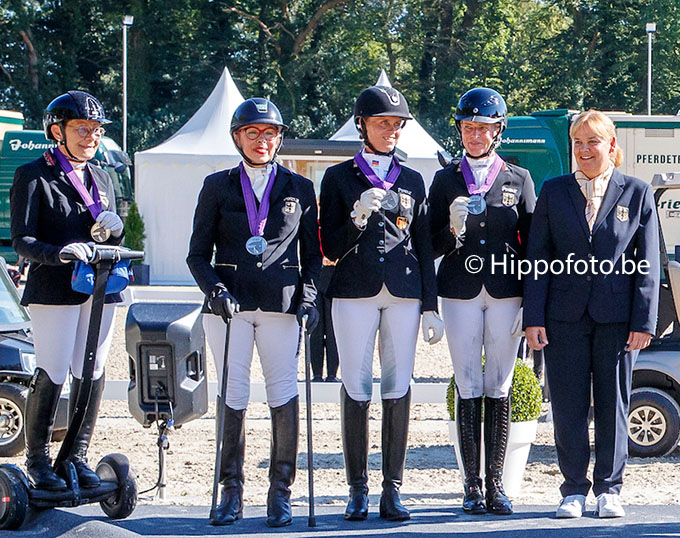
(480, 300)
(374, 223)
(594, 309)
(264, 272)
(50, 218)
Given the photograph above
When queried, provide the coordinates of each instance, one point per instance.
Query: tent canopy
(169, 177)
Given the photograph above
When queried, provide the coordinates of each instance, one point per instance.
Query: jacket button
(381, 242)
(482, 242)
(381, 259)
(590, 256)
(381, 224)
(258, 264)
(482, 224)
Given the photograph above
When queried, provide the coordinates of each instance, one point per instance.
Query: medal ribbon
(366, 169)
(93, 203)
(257, 219)
(491, 176)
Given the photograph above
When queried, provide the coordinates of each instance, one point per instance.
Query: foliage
(313, 57)
(134, 229)
(525, 397)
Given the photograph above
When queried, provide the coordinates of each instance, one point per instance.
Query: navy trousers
(581, 357)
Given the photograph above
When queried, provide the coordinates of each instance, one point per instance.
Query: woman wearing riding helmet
(260, 220)
(59, 203)
(373, 217)
(480, 213)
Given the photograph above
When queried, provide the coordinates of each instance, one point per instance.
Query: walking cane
(219, 412)
(311, 520)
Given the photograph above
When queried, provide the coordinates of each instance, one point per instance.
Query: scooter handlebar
(108, 253)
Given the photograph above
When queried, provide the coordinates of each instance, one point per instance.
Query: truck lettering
(655, 158)
(523, 140)
(16, 144)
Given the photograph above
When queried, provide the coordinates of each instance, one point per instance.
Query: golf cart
(17, 363)
(654, 416)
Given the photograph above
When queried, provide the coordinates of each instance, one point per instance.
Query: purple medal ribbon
(93, 203)
(366, 169)
(488, 181)
(257, 219)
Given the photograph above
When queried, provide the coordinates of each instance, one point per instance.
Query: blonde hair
(602, 125)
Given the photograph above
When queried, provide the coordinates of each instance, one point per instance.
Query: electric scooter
(117, 493)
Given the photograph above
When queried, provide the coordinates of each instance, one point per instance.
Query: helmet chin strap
(62, 142)
(364, 135)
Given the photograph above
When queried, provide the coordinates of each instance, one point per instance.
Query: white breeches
(356, 323)
(60, 334)
(482, 322)
(276, 336)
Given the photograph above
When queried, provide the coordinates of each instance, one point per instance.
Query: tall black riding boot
(496, 426)
(283, 459)
(41, 407)
(354, 419)
(87, 478)
(469, 425)
(394, 441)
(231, 467)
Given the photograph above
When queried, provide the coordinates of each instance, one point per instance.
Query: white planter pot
(521, 435)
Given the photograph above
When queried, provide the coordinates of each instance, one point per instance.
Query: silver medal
(99, 233)
(477, 204)
(256, 245)
(390, 201)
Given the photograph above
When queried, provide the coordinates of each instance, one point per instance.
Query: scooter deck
(41, 498)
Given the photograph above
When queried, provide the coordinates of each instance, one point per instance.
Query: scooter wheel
(116, 468)
(13, 501)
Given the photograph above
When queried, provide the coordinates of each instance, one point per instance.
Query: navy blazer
(47, 213)
(394, 248)
(277, 280)
(497, 235)
(626, 225)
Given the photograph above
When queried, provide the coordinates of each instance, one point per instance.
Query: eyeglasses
(84, 132)
(253, 133)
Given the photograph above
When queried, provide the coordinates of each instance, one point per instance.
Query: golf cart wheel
(116, 468)
(653, 423)
(13, 501)
(12, 405)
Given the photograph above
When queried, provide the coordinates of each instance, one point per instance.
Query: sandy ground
(431, 470)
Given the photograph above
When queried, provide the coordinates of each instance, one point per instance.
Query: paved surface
(427, 521)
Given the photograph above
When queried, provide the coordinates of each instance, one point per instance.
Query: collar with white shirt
(259, 176)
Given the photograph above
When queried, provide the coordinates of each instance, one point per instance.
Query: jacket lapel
(611, 196)
(579, 203)
(282, 178)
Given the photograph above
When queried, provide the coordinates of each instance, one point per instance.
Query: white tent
(169, 177)
(420, 148)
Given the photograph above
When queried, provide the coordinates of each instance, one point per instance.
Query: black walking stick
(311, 521)
(219, 412)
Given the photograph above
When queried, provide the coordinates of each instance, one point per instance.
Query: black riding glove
(222, 303)
(312, 316)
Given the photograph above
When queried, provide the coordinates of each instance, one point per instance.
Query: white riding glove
(112, 222)
(433, 327)
(79, 251)
(458, 214)
(367, 204)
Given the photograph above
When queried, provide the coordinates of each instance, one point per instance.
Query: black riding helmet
(483, 105)
(379, 101)
(257, 110)
(73, 105)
